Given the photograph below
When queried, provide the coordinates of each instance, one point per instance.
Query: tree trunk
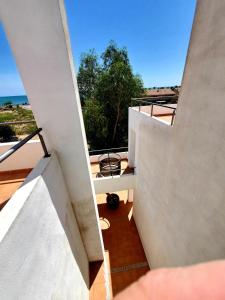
(116, 123)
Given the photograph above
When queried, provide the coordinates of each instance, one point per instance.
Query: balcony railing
(143, 105)
(109, 150)
(18, 145)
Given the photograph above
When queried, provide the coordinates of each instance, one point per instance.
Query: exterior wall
(25, 158)
(179, 205)
(41, 252)
(115, 183)
(38, 36)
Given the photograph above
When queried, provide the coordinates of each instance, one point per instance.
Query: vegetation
(96, 124)
(7, 134)
(12, 114)
(106, 87)
(106, 90)
(8, 104)
(87, 76)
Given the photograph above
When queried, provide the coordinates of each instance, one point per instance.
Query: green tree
(113, 54)
(115, 87)
(96, 124)
(87, 75)
(106, 91)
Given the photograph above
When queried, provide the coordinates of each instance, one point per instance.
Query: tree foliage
(113, 54)
(7, 134)
(96, 124)
(87, 75)
(106, 102)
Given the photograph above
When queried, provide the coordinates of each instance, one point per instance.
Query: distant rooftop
(162, 91)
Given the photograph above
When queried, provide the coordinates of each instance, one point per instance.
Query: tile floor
(167, 119)
(125, 260)
(97, 281)
(10, 181)
(125, 257)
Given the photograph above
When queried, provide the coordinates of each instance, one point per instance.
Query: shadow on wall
(54, 182)
(50, 187)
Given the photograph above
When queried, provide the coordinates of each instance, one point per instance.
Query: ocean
(15, 100)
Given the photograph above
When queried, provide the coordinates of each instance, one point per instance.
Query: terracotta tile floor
(97, 281)
(168, 119)
(10, 181)
(126, 258)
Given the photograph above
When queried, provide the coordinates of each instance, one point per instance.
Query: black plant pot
(113, 201)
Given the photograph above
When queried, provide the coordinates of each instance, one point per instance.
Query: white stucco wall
(25, 158)
(115, 183)
(179, 205)
(41, 251)
(38, 35)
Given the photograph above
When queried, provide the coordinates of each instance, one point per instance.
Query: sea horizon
(14, 100)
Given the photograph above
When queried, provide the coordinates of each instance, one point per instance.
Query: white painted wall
(115, 183)
(132, 145)
(42, 255)
(25, 158)
(179, 205)
(38, 35)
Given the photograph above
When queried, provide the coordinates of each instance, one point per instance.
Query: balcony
(10, 181)
(164, 113)
(122, 178)
(14, 171)
(123, 169)
(125, 260)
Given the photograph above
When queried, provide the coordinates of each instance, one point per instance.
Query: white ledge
(115, 183)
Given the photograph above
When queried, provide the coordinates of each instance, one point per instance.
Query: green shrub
(7, 134)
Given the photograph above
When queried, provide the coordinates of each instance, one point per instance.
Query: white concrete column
(130, 195)
(131, 147)
(38, 36)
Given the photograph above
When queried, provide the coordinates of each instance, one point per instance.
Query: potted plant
(112, 200)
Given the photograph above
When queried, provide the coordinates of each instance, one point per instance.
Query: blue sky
(155, 32)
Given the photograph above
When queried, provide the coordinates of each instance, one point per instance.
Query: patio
(10, 181)
(125, 260)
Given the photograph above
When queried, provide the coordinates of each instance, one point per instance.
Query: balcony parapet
(122, 167)
(112, 179)
(160, 111)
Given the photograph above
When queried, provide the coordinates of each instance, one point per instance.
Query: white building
(50, 229)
